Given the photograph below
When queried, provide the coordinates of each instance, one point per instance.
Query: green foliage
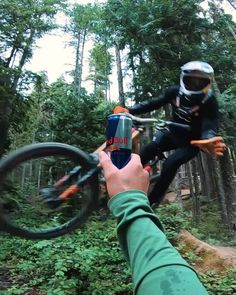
(211, 229)
(228, 104)
(174, 219)
(158, 35)
(25, 20)
(218, 284)
(89, 261)
(100, 66)
(162, 35)
(57, 114)
(220, 38)
(21, 24)
(77, 120)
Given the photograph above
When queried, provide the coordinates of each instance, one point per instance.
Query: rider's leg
(161, 142)
(173, 162)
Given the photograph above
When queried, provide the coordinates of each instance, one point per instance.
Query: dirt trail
(212, 257)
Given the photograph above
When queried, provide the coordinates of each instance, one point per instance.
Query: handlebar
(159, 123)
(141, 120)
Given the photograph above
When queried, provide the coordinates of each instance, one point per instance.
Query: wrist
(122, 198)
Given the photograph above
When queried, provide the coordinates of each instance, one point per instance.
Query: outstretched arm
(157, 268)
(154, 103)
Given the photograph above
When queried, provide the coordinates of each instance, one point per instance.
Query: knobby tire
(35, 151)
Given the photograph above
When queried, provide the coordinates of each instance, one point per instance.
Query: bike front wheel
(27, 172)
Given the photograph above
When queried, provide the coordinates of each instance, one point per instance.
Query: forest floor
(214, 257)
(28, 267)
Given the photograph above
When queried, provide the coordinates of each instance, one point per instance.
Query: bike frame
(136, 132)
(78, 179)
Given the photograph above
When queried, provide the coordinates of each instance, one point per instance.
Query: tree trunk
(77, 76)
(11, 56)
(195, 204)
(119, 75)
(7, 95)
(39, 175)
(196, 201)
(24, 57)
(202, 175)
(178, 189)
(227, 173)
(210, 179)
(23, 176)
(232, 154)
(134, 80)
(4, 124)
(221, 192)
(82, 59)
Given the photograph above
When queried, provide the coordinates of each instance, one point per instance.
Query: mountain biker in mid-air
(193, 103)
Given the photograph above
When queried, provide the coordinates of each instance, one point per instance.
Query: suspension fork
(50, 194)
(71, 190)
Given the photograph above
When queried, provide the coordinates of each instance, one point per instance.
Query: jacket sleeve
(154, 103)
(157, 267)
(210, 121)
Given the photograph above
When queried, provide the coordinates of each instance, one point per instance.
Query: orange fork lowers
(73, 189)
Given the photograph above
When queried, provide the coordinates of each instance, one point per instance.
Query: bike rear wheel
(29, 170)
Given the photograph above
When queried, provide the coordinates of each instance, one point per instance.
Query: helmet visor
(195, 83)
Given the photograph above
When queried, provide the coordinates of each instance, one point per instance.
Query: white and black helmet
(196, 78)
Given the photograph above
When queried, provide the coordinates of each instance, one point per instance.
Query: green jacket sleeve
(156, 266)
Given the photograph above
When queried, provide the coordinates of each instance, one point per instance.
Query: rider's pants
(183, 152)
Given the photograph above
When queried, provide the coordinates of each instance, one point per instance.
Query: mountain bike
(49, 189)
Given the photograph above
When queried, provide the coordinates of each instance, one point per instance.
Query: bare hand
(132, 176)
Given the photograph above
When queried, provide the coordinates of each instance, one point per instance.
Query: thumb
(106, 163)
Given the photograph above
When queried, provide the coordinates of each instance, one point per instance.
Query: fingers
(106, 164)
(219, 153)
(137, 161)
(197, 142)
(216, 139)
(221, 145)
(134, 163)
(136, 158)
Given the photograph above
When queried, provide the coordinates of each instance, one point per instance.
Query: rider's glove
(214, 146)
(120, 109)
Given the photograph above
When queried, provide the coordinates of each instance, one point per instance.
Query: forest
(146, 42)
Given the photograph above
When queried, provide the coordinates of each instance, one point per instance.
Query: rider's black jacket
(201, 113)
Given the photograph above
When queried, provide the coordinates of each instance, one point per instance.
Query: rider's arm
(210, 121)
(157, 268)
(155, 103)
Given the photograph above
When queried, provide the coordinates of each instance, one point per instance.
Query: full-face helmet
(196, 78)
